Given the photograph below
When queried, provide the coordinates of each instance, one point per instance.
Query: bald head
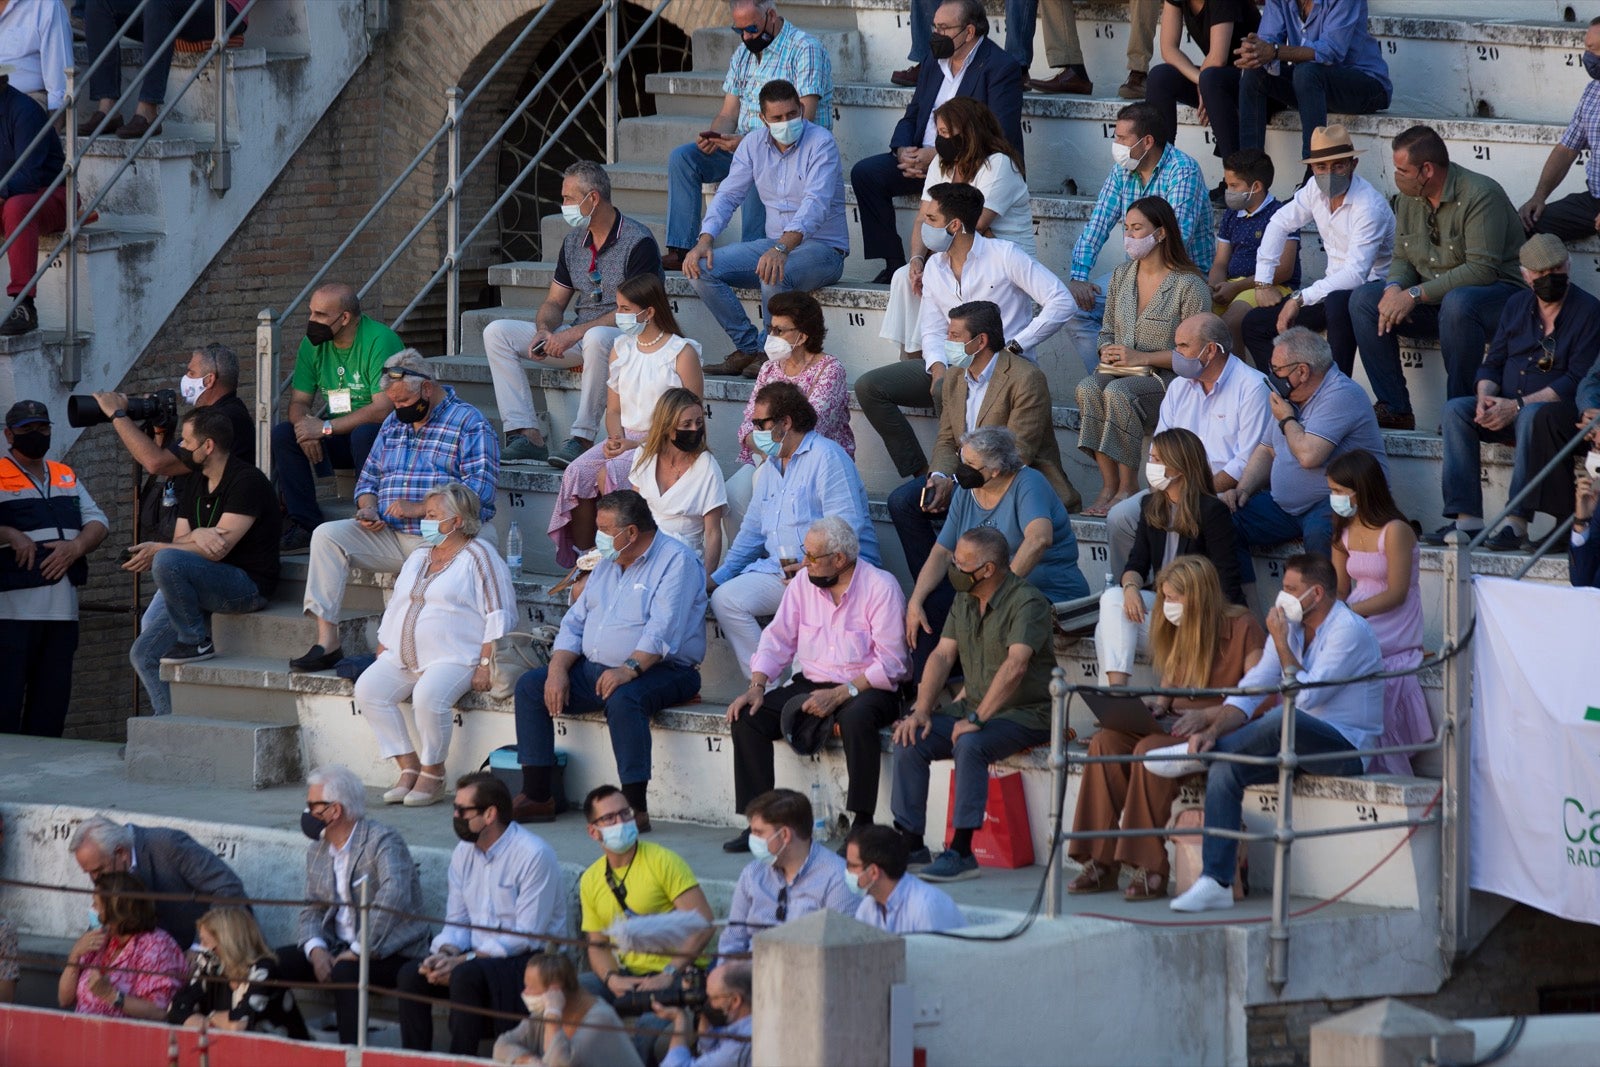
(1206, 339)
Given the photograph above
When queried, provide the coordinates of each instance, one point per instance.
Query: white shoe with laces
(1207, 894)
(1174, 768)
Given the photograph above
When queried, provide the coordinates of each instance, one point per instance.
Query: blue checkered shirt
(795, 56)
(1584, 131)
(456, 444)
(1178, 181)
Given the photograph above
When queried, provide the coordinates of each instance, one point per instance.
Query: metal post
(71, 355)
(1282, 838)
(221, 156)
(266, 385)
(612, 21)
(1059, 691)
(364, 994)
(1455, 892)
(452, 223)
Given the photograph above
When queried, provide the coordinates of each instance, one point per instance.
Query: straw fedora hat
(1330, 142)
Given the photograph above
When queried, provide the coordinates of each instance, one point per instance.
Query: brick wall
(1529, 952)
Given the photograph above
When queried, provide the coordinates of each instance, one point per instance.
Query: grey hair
(102, 833)
(996, 446)
(340, 786)
(461, 502)
(224, 364)
(739, 977)
(591, 176)
(991, 544)
(1306, 347)
(838, 535)
(1213, 331)
(762, 6)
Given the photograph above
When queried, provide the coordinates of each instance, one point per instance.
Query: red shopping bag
(1004, 839)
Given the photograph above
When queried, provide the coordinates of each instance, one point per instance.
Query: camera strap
(620, 889)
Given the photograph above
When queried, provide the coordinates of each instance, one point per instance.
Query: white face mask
(573, 213)
(788, 132)
(1122, 155)
(190, 389)
(1343, 505)
(1156, 474)
(776, 347)
(1293, 609)
(935, 239)
(1173, 611)
(630, 323)
(534, 1002)
(956, 356)
(1591, 464)
(1139, 247)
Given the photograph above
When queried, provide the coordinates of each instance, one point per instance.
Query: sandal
(1145, 885)
(1096, 511)
(421, 796)
(402, 787)
(1094, 879)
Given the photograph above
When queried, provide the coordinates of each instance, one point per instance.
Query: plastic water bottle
(820, 819)
(514, 547)
(169, 494)
(1111, 581)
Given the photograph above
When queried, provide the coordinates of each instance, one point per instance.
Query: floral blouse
(149, 966)
(824, 385)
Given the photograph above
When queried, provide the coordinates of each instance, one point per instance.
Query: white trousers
(739, 604)
(1116, 639)
(902, 318)
(505, 341)
(433, 693)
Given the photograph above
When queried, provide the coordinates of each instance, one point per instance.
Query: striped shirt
(1584, 131)
(794, 56)
(408, 462)
(1178, 181)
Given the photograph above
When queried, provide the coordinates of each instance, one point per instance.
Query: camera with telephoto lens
(159, 410)
(687, 990)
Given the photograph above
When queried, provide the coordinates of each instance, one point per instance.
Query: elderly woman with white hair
(452, 601)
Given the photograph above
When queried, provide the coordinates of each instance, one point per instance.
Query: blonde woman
(1197, 640)
(233, 981)
(678, 476)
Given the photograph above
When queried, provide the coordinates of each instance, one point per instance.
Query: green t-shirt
(324, 368)
(656, 877)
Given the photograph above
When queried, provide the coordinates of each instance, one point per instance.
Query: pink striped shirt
(863, 634)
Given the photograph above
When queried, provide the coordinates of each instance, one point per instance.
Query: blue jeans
(297, 477)
(1463, 322)
(1021, 15)
(627, 712)
(1538, 434)
(1261, 523)
(811, 265)
(1084, 327)
(687, 169)
(1313, 88)
(189, 590)
(1226, 782)
(973, 754)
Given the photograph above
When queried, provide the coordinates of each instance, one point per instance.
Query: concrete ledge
(186, 749)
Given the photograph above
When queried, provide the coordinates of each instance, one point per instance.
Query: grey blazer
(379, 853)
(170, 861)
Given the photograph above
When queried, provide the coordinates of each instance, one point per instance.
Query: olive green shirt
(1018, 614)
(1479, 236)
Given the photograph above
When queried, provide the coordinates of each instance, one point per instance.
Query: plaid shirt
(456, 444)
(795, 56)
(1178, 181)
(1584, 131)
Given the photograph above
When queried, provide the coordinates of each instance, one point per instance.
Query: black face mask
(715, 1016)
(968, 477)
(941, 47)
(758, 43)
(688, 440)
(35, 445)
(823, 581)
(1281, 385)
(412, 414)
(962, 581)
(459, 825)
(1551, 288)
(311, 826)
(946, 147)
(192, 460)
(318, 333)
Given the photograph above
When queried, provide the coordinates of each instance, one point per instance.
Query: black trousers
(36, 662)
(877, 181)
(1331, 315)
(383, 972)
(860, 719)
(479, 983)
(1571, 218)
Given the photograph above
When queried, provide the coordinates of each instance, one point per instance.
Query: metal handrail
(1527, 491)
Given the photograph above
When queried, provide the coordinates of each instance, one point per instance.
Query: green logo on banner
(1592, 715)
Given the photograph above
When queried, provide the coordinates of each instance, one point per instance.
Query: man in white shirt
(1317, 638)
(1356, 225)
(36, 43)
(892, 900)
(502, 878)
(965, 267)
(1224, 403)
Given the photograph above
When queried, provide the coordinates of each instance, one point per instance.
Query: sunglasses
(763, 424)
(398, 374)
(597, 292)
(783, 903)
(1548, 360)
(1433, 226)
(466, 812)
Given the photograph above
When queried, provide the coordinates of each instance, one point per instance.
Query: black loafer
(316, 659)
(738, 844)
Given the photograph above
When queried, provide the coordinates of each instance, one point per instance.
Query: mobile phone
(710, 135)
(928, 492)
(127, 554)
(536, 349)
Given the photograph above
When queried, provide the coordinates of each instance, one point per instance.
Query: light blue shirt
(818, 479)
(802, 188)
(818, 885)
(913, 907)
(516, 885)
(1336, 33)
(1344, 647)
(715, 1050)
(656, 605)
(1230, 420)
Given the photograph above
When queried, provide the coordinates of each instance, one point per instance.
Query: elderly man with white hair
(843, 631)
(452, 601)
(166, 861)
(349, 850)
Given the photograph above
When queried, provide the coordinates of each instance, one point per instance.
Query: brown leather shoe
(88, 126)
(673, 260)
(525, 810)
(753, 371)
(906, 78)
(735, 364)
(641, 819)
(1067, 80)
(1389, 419)
(1133, 88)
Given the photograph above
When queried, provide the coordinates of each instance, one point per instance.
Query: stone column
(822, 992)
(1387, 1033)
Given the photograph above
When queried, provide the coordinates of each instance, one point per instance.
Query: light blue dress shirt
(802, 188)
(656, 605)
(516, 885)
(913, 907)
(716, 1050)
(819, 885)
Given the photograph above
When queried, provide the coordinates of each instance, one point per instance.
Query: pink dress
(149, 966)
(1399, 632)
(824, 384)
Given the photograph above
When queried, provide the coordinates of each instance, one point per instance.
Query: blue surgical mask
(1186, 367)
(573, 213)
(431, 534)
(956, 356)
(852, 882)
(786, 133)
(629, 323)
(765, 443)
(935, 239)
(94, 918)
(1343, 505)
(1591, 63)
(606, 545)
(759, 849)
(620, 837)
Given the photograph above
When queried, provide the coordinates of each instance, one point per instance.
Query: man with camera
(211, 379)
(725, 1022)
(223, 556)
(48, 524)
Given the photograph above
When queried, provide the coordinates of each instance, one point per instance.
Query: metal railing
(456, 107)
(76, 149)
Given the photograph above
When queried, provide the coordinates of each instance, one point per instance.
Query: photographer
(48, 523)
(726, 1015)
(211, 380)
(566, 1025)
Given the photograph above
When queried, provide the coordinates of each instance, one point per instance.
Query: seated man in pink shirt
(843, 629)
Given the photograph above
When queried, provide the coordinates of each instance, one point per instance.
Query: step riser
(715, 46)
(258, 703)
(174, 749)
(281, 638)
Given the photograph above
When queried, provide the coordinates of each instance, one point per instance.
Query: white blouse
(639, 378)
(681, 510)
(447, 617)
(1005, 192)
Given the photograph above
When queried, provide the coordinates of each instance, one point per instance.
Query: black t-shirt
(243, 490)
(244, 427)
(1244, 15)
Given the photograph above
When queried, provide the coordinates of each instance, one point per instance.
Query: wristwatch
(781, 248)
(850, 687)
(1415, 293)
(121, 999)
(972, 717)
(118, 414)
(1013, 347)
(327, 428)
(633, 665)
(483, 661)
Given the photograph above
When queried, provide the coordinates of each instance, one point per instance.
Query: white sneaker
(1207, 894)
(1174, 768)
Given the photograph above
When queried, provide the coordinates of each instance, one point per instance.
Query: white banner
(1536, 746)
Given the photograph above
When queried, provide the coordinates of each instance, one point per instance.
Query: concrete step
(281, 630)
(244, 688)
(186, 748)
(365, 591)
(714, 48)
